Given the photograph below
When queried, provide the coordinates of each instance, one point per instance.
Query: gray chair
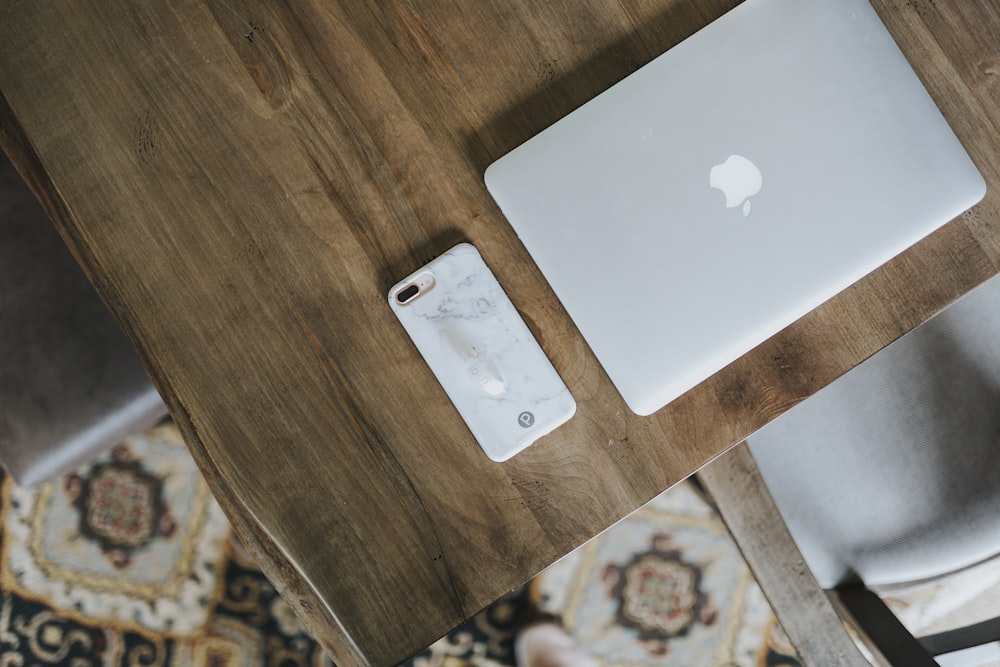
(71, 384)
(892, 473)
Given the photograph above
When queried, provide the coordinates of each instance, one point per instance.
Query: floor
(129, 561)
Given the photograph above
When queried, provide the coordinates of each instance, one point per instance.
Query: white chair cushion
(892, 472)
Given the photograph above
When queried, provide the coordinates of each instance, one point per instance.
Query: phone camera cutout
(407, 293)
(415, 289)
(419, 286)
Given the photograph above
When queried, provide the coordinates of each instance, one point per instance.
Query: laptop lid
(730, 186)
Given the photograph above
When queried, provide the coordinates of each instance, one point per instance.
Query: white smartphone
(481, 352)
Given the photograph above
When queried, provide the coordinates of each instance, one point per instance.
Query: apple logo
(739, 179)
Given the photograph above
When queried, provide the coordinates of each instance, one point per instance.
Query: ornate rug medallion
(665, 586)
(659, 593)
(121, 506)
(106, 544)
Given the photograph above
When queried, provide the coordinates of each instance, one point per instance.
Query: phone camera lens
(407, 293)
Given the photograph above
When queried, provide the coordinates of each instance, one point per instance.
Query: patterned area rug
(129, 561)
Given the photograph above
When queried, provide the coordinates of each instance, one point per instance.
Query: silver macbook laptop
(730, 186)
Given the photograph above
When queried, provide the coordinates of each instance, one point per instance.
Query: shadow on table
(567, 91)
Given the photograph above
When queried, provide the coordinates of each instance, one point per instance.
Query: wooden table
(243, 180)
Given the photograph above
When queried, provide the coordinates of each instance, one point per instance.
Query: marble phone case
(481, 352)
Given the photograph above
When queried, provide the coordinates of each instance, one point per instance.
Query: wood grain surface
(244, 180)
